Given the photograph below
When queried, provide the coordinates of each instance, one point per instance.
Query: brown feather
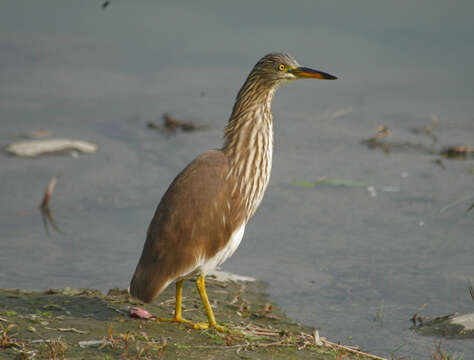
(218, 192)
(188, 224)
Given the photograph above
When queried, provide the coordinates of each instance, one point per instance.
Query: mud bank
(86, 324)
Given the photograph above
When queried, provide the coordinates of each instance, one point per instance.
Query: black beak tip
(327, 76)
(305, 72)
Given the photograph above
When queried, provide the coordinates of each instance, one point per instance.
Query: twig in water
(415, 316)
(44, 206)
(48, 192)
(458, 152)
(171, 124)
(374, 142)
(471, 291)
(48, 219)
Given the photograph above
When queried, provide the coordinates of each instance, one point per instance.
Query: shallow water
(334, 256)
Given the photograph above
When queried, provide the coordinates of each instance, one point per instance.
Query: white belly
(210, 264)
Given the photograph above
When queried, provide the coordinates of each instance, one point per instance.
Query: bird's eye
(281, 67)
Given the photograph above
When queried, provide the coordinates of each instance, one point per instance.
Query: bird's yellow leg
(178, 311)
(201, 285)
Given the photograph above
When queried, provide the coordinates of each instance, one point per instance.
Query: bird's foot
(176, 319)
(205, 326)
(197, 326)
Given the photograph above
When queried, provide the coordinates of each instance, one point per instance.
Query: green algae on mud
(85, 324)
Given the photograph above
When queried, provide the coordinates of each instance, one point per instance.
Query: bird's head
(282, 67)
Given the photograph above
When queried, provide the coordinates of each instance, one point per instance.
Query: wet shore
(86, 324)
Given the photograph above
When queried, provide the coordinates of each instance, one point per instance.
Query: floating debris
(48, 192)
(458, 152)
(416, 317)
(449, 152)
(374, 141)
(426, 130)
(35, 148)
(152, 125)
(329, 181)
(382, 131)
(451, 325)
(44, 207)
(171, 124)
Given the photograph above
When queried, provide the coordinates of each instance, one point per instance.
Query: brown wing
(193, 221)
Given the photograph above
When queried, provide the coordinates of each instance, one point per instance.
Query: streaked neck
(249, 141)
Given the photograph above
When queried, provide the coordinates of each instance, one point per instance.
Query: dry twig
(68, 330)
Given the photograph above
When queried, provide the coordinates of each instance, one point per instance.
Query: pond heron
(201, 218)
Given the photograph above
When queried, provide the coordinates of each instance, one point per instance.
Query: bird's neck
(249, 141)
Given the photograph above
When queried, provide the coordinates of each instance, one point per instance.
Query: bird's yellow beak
(307, 73)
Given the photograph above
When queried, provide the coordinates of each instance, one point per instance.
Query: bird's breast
(206, 265)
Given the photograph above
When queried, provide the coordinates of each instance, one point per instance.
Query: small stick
(44, 207)
(382, 131)
(48, 192)
(351, 350)
(67, 330)
(415, 315)
(471, 291)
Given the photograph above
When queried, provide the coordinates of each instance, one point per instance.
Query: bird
(201, 218)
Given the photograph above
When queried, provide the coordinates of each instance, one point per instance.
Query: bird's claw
(205, 326)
